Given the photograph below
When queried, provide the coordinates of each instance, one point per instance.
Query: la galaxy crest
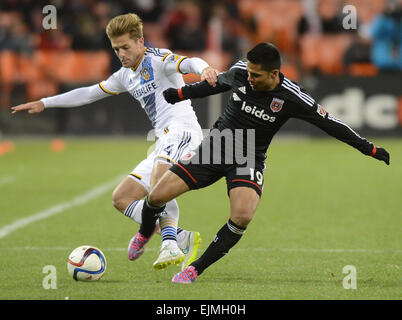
(147, 72)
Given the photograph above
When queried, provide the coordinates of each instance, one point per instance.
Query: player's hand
(210, 75)
(30, 107)
(381, 154)
(171, 95)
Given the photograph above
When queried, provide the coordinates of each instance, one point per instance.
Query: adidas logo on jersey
(258, 113)
(242, 90)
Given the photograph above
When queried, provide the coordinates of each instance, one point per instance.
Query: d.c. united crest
(276, 104)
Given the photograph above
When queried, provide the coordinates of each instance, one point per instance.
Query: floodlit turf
(325, 206)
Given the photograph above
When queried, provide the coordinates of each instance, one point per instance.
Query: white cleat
(190, 245)
(168, 255)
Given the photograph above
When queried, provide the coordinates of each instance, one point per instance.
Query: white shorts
(175, 142)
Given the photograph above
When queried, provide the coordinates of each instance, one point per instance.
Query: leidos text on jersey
(259, 113)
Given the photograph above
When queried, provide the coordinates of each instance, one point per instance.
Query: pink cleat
(137, 243)
(188, 275)
(136, 246)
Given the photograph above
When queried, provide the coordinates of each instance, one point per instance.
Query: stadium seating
(275, 21)
(45, 69)
(8, 65)
(324, 53)
(362, 69)
(290, 70)
(271, 24)
(73, 66)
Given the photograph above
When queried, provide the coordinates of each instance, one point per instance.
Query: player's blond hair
(126, 23)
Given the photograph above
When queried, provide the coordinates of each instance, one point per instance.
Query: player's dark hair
(265, 54)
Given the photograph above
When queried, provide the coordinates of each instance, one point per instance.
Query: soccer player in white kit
(145, 74)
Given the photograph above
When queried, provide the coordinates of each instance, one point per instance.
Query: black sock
(149, 216)
(224, 240)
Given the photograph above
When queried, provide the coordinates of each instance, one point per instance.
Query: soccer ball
(86, 263)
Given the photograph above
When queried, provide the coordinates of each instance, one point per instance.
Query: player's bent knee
(157, 197)
(115, 199)
(242, 217)
(118, 202)
(168, 188)
(126, 192)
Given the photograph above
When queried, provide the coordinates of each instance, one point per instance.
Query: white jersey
(157, 70)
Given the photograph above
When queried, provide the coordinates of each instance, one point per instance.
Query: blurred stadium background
(324, 206)
(355, 74)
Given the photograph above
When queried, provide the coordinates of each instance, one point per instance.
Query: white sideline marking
(6, 180)
(311, 250)
(77, 201)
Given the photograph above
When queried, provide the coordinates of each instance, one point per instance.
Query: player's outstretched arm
(196, 90)
(317, 116)
(73, 98)
(31, 107)
(342, 132)
(380, 154)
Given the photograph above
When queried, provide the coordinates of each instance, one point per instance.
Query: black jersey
(268, 111)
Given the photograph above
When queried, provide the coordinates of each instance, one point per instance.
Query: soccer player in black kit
(262, 100)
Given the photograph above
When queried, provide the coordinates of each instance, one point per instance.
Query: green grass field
(325, 206)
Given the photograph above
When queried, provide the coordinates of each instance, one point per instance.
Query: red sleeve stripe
(180, 93)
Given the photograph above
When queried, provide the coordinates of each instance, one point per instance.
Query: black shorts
(199, 174)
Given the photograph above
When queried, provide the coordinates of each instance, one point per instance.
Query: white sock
(169, 243)
(168, 221)
(134, 211)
